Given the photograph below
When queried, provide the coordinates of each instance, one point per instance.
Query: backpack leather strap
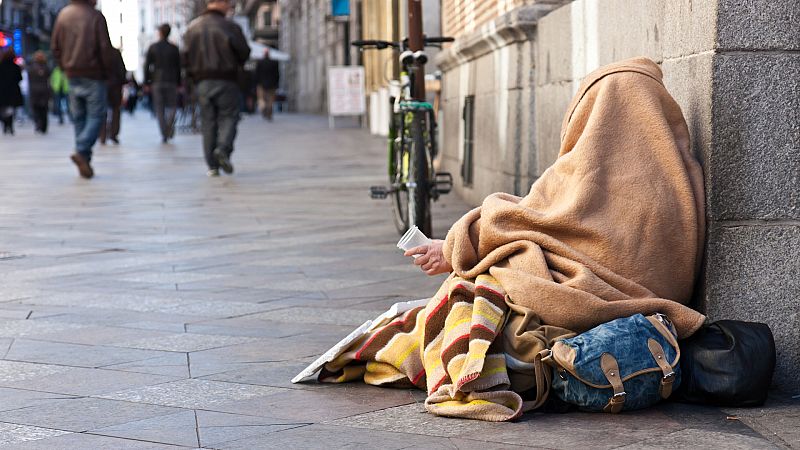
(611, 370)
(661, 359)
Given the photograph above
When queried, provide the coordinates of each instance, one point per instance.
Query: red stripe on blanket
(442, 302)
(456, 341)
(480, 325)
(489, 290)
(396, 323)
(439, 384)
(418, 376)
(466, 379)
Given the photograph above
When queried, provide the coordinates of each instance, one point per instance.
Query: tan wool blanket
(615, 227)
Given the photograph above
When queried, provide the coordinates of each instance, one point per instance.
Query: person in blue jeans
(83, 50)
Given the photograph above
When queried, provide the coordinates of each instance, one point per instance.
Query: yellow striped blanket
(449, 347)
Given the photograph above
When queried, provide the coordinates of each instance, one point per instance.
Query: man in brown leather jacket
(82, 48)
(216, 50)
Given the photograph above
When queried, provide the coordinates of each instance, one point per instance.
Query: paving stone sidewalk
(153, 307)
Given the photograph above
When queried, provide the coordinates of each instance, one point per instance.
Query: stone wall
(734, 68)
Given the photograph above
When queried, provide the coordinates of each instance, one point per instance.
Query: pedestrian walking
(39, 90)
(162, 72)
(60, 87)
(83, 50)
(10, 94)
(268, 78)
(24, 90)
(131, 93)
(216, 50)
(116, 80)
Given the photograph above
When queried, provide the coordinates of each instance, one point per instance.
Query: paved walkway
(153, 307)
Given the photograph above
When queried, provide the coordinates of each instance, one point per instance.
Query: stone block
(584, 35)
(754, 164)
(554, 47)
(450, 85)
(17, 434)
(552, 101)
(451, 131)
(758, 25)
(192, 393)
(610, 35)
(753, 273)
(491, 136)
(514, 65)
(487, 73)
(83, 414)
(688, 27)
(689, 81)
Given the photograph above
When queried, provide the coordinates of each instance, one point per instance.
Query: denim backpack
(628, 363)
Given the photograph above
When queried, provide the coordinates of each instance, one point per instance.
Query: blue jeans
(87, 102)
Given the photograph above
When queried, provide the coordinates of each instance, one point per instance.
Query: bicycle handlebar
(380, 45)
(438, 40)
(374, 43)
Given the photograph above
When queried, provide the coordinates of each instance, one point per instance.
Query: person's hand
(431, 259)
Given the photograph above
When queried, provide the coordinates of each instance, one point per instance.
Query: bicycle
(414, 182)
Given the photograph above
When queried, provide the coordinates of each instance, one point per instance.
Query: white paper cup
(412, 238)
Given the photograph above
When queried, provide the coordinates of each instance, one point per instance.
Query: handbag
(728, 363)
(628, 363)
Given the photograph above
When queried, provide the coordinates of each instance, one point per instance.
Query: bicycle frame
(412, 133)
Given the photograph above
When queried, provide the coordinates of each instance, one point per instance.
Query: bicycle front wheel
(419, 199)
(398, 176)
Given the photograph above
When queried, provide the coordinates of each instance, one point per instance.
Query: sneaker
(213, 172)
(224, 161)
(84, 168)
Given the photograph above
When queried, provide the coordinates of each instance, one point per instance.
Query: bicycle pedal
(443, 182)
(378, 192)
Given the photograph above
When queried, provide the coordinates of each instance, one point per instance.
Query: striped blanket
(450, 347)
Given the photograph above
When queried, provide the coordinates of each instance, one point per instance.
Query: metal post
(416, 41)
(347, 42)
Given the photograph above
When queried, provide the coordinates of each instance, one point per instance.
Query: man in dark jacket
(10, 93)
(39, 92)
(83, 50)
(162, 75)
(267, 77)
(216, 50)
(116, 79)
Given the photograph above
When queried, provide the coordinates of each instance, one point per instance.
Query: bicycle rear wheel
(419, 199)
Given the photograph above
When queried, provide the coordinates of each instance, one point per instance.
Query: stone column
(753, 173)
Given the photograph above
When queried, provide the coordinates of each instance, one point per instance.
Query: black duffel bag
(727, 363)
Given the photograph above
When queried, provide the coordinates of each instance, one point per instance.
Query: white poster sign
(346, 95)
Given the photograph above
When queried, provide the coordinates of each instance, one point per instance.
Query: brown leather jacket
(215, 48)
(80, 42)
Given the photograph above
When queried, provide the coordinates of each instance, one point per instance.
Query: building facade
(733, 69)
(132, 25)
(316, 40)
(26, 25)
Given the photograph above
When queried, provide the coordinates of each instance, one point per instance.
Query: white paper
(366, 327)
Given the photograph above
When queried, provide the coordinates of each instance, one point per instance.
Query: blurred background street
(147, 305)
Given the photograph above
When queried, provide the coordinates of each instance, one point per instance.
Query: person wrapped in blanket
(613, 228)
